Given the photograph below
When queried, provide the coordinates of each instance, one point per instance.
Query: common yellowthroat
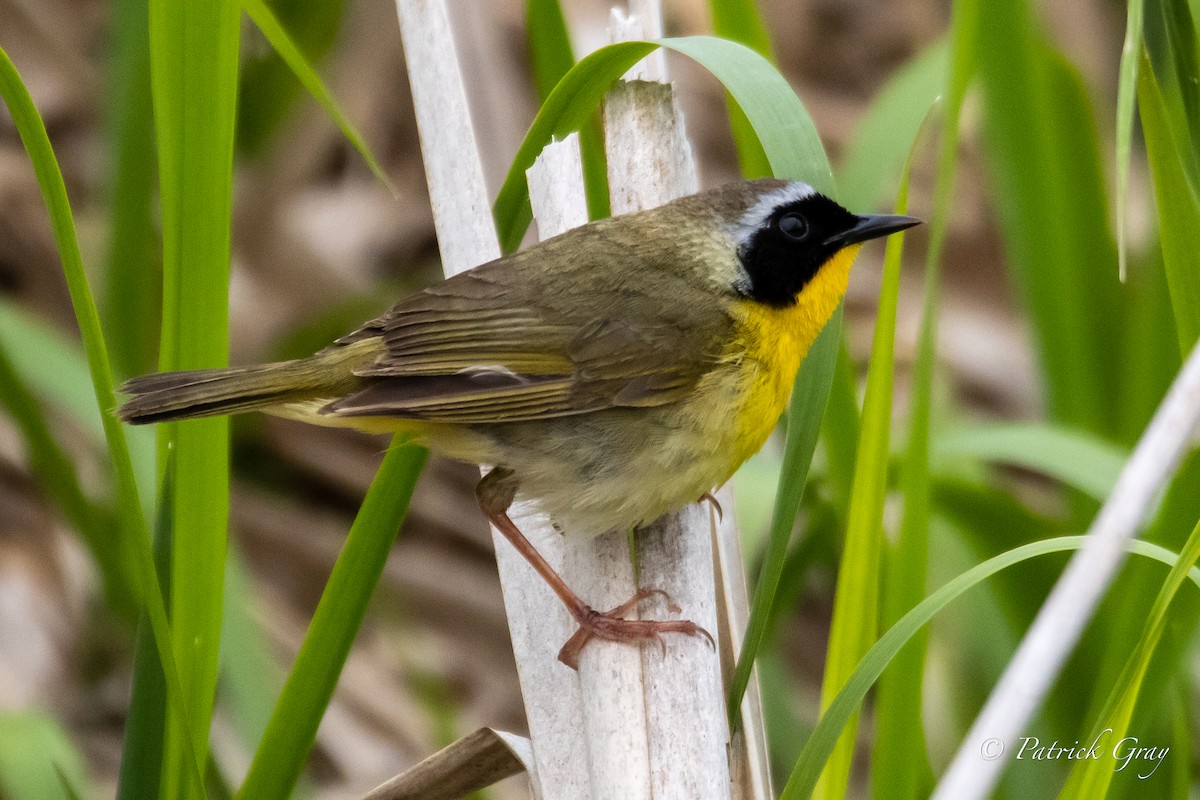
(611, 374)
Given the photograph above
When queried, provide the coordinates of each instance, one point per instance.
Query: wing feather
(506, 342)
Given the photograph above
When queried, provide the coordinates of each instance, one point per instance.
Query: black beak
(871, 226)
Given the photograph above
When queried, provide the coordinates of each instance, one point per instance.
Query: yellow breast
(773, 341)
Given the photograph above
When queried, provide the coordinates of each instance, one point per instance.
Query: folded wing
(486, 346)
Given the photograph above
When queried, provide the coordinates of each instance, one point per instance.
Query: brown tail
(212, 392)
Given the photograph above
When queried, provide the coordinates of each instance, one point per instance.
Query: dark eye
(793, 226)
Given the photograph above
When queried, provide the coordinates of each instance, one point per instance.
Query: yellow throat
(774, 341)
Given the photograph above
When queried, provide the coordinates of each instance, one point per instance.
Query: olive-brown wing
(487, 346)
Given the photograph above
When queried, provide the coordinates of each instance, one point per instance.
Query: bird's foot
(613, 626)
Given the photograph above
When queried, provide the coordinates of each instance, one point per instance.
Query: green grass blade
(142, 745)
(134, 540)
(293, 727)
(1181, 736)
(552, 56)
(876, 153)
(811, 391)
(856, 601)
(33, 135)
(1091, 779)
(1072, 457)
(1048, 189)
(1127, 83)
(779, 119)
(146, 720)
(873, 158)
(740, 21)
(777, 116)
(1178, 207)
(1150, 355)
(1173, 46)
(900, 746)
(816, 751)
(269, 87)
(193, 69)
(549, 44)
(266, 21)
(839, 429)
(133, 281)
(899, 762)
(37, 760)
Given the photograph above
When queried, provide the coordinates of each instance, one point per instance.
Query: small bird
(611, 374)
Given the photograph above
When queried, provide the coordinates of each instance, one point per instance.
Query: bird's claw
(612, 626)
(716, 504)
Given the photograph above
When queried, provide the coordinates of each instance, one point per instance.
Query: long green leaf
(133, 281)
(37, 760)
(1126, 92)
(900, 747)
(1090, 779)
(1074, 458)
(856, 600)
(1181, 738)
(143, 746)
(1173, 46)
(740, 21)
(258, 11)
(552, 56)
(899, 760)
(268, 86)
(1178, 206)
(550, 48)
(1048, 189)
(811, 391)
(816, 751)
(193, 70)
(134, 540)
(840, 427)
(876, 153)
(293, 726)
(778, 117)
